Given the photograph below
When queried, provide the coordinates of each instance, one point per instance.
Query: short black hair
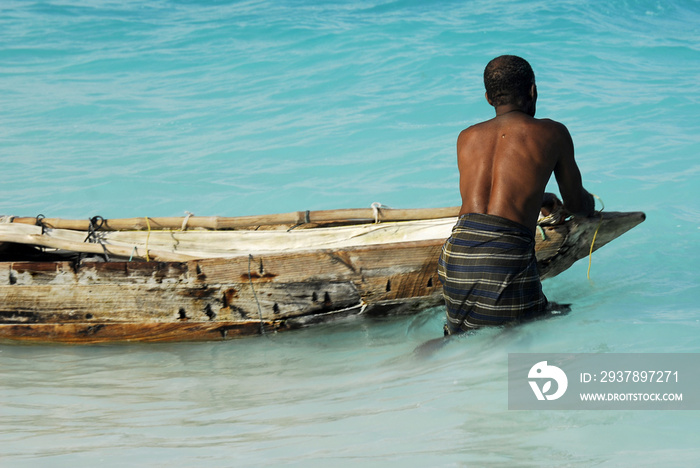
(508, 79)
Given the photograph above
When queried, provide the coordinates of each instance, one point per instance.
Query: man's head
(509, 80)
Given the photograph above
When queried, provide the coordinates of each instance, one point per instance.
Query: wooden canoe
(156, 287)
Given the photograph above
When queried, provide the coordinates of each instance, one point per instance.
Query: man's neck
(508, 108)
(499, 113)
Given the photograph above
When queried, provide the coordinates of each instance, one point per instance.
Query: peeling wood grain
(222, 298)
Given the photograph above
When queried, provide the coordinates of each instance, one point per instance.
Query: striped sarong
(489, 273)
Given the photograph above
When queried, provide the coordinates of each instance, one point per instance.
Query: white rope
(184, 221)
(363, 306)
(376, 206)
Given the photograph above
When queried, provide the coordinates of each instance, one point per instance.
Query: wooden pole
(360, 215)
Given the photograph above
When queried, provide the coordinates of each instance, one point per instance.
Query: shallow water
(126, 109)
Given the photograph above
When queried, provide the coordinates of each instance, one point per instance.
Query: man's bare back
(505, 164)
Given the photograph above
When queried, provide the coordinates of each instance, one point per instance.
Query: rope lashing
(148, 236)
(376, 206)
(250, 280)
(540, 229)
(184, 222)
(95, 224)
(40, 222)
(307, 220)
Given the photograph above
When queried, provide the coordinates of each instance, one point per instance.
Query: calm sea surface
(133, 108)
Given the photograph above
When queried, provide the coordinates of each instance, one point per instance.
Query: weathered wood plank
(171, 302)
(101, 302)
(219, 298)
(320, 265)
(66, 273)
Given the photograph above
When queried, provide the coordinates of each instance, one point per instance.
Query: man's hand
(585, 208)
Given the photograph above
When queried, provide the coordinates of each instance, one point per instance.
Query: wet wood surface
(215, 299)
(219, 294)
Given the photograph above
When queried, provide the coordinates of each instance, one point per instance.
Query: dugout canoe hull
(222, 298)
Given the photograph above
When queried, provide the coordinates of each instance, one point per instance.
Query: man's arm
(576, 199)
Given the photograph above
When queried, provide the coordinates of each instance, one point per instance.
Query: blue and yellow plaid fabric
(489, 273)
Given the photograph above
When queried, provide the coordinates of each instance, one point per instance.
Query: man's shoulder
(470, 132)
(552, 124)
(476, 128)
(549, 121)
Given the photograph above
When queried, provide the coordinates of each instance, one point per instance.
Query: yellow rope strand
(595, 234)
(148, 236)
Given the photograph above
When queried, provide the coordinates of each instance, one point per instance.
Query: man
(488, 266)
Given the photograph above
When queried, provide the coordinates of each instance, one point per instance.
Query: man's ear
(533, 92)
(486, 95)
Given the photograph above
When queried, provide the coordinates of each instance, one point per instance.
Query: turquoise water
(131, 108)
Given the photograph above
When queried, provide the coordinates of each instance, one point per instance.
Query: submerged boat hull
(222, 298)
